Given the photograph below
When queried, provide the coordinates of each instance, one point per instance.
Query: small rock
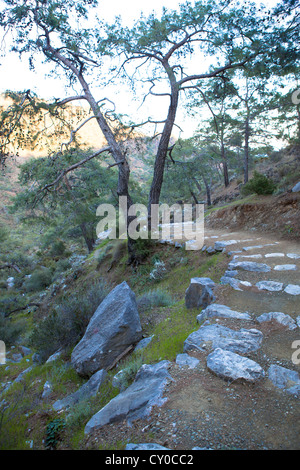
(186, 360)
(249, 266)
(274, 255)
(229, 365)
(285, 379)
(292, 289)
(221, 311)
(147, 446)
(280, 317)
(285, 267)
(293, 255)
(271, 286)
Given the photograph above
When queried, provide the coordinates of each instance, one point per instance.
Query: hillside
(199, 409)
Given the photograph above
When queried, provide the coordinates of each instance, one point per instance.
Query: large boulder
(112, 329)
(137, 401)
(199, 293)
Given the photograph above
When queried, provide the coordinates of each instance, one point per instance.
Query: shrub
(40, 278)
(10, 331)
(259, 184)
(158, 272)
(154, 298)
(65, 325)
(58, 248)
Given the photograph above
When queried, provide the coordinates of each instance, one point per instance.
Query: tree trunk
(225, 166)
(246, 154)
(207, 187)
(161, 154)
(88, 237)
(123, 167)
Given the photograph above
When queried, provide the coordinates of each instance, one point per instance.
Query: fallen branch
(10, 266)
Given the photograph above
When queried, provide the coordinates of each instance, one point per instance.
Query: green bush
(58, 248)
(154, 298)
(40, 278)
(259, 184)
(66, 325)
(9, 330)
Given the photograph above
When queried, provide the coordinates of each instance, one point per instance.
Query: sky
(15, 74)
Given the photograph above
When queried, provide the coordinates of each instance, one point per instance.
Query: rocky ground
(206, 411)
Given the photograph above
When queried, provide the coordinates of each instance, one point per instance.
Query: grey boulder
(250, 266)
(137, 400)
(279, 317)
(214, 336)
(221, 311)
(286, 379)
(199, 293)
(232, 366)
(114, 327)
(89, 389)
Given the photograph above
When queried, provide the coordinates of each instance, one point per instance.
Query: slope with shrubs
(60, 321)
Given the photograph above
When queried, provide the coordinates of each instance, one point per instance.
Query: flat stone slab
(145, 446)
(285, 267)
(210, 337)
(250, 266)
(274, 255)
(236, 284)
(232, 366)
(293, 255)
(186, 360)
(286, 379)
(137, 400)
(220, 245)
(271, 286)
(282, 318)
(292, 289)
(248, 248)
(89, 389)
(258, 256)
(221, 311)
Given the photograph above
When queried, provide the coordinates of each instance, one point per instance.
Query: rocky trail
(236, 384)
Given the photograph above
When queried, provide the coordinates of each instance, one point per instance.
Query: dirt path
(206, 411)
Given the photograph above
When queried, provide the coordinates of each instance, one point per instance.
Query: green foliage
(10, 330)
(65, 325)
(53, 431)
(258, 184)
(58, 248)
(154, 298)
(39, 280)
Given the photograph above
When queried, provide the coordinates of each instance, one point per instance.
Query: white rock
(285, 267)
(229, 365)
(280, 317)
(249, 266)
(274, 255)
(221, 311)
(187, 360)
(292, 289)
(293, 255)
(271, 286)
